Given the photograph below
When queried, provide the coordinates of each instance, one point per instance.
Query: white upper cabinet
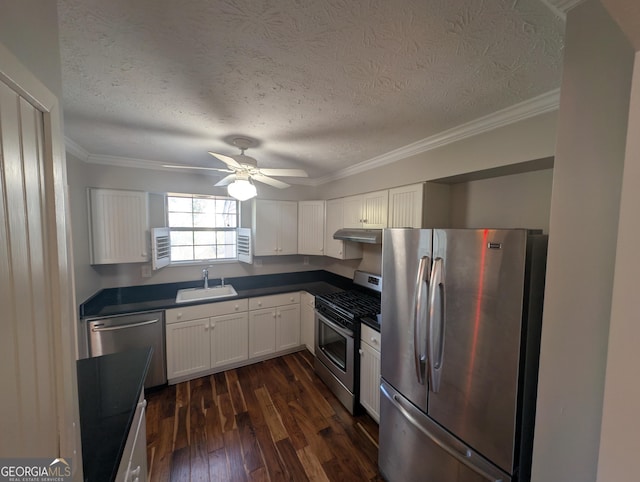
(119, 223)
(311, 227)
(334, 221)
(275, 227)
(367, 211)
(405, 206)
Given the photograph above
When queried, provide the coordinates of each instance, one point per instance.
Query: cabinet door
(229, 339)
(307, 321)
(288, 232)
(288, 327)
(352, 212)
(262, 332)
(188, 348)
(334, 221)
(311, 227)
(370, 380)
(405, 206)
(119, 226)
(266, 227)
(375, 206)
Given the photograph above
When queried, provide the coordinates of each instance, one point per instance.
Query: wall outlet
(305, 261)
(146, 271)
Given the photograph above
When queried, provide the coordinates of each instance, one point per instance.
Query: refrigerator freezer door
(484, 272)
(414, 448)
(406, 262)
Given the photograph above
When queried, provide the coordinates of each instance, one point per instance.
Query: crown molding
(561, 7)
(530, 108)
(76, 149)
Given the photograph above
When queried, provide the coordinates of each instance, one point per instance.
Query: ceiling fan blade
(229, 161)
(226, 180)
(284, 172)
(270, 181)
(173, 166)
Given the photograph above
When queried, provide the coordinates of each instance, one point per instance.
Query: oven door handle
(336, 327)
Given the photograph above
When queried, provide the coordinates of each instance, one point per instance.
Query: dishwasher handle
(95, 328)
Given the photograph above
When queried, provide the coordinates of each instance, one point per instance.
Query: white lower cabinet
(229, 339)
(370, 371)
(212, 337)
(274, 324)
(133, 465)
(288, 327)
(201, 338)
(188, 348)
(307, 321)
(262, 332)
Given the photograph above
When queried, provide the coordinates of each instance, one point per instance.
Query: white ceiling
(319, 84)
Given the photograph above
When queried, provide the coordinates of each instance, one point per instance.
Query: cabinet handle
(136, 472)
(143, 404)
(236, 307)
(360, 351)
(374, 339)
(179, 315)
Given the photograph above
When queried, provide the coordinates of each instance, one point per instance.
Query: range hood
(369, 236)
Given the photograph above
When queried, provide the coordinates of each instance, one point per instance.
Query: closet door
(27, 354)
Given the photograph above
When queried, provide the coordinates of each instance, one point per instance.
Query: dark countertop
(108, 390)
(119, 301)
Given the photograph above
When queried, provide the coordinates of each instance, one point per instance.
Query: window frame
(215, 230)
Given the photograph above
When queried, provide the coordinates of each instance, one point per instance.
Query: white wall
(29, 29)
(514, 201)
(619, 442)
(592, 126)
(523, 141)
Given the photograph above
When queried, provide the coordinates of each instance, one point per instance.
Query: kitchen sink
(199, 294)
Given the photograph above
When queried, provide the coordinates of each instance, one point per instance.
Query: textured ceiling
(319, 84)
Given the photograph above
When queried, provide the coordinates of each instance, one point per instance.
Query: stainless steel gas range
(337, 324)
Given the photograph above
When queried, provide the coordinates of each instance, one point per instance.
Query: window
(203, 228)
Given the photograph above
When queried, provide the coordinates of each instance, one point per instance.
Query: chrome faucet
(205, 277)
(221, 281)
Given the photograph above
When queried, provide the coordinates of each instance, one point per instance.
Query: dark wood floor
(270, 421)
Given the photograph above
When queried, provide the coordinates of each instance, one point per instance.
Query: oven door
(335, 349)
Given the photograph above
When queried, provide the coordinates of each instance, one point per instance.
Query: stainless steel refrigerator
(461, 320)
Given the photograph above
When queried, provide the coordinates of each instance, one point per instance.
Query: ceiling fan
(243, 170)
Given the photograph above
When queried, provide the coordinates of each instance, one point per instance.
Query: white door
(267, 226)
(375, 208)
(188, 348)
(288, 233)
(38, 344)
(352, 212)
(311, 227)
(405, 206)
(229, 339)
(307, 321)
(262, 332)
(288, 327)
(370, 380)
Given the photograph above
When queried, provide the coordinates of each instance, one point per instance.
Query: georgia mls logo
(35, 470)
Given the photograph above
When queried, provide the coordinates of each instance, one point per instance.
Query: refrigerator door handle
(464, 455)
(437, 319)
(419, 315)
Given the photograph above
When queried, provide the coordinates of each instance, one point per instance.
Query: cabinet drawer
(370, 336)
(186, 313)
(307, 299)
(274, 300)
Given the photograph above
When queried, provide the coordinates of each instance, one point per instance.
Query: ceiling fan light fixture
(242, 190)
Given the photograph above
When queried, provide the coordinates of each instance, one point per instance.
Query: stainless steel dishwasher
(119, 333)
